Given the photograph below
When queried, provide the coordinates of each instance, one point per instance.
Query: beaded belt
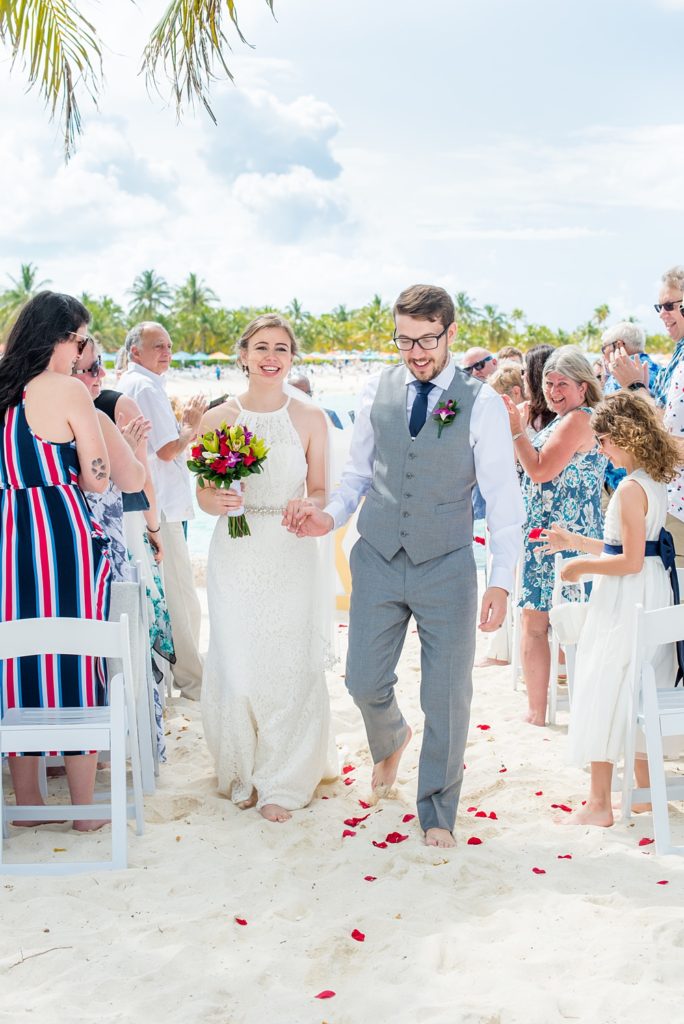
(264, 510)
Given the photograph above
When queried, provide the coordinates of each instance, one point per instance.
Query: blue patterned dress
(572, 499)
(54, 562)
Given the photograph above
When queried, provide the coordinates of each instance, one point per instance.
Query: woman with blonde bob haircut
(564, 471)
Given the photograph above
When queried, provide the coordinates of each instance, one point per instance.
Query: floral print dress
(573, 500)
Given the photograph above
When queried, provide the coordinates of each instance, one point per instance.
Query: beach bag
(568, 620)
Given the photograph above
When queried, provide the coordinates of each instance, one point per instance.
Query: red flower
(408, 817)
(249, 458)
(220, 466)
(370, 878)
(327, 993)
(353, 822)
(474, 841)
(348, 832)
(645, 842)
(196, 451)
(224, 447)
(359, 936)
(380, 846)
(347, 768)
(240, 920)
(539, 871)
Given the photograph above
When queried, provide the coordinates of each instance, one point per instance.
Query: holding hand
(573, 570)
(306, 519)
(217, 501)
(555, 539)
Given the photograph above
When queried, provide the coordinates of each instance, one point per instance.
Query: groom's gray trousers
(441, 594)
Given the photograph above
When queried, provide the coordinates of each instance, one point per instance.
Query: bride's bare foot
(592, 814)
(385, 772)
(245, 805)
(274, 812)
(90, 825)
(488, 662)
(440, 837)
(534, 717)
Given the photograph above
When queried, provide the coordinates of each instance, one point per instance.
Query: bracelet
(516, 436)
(150, 530)
(636, 385)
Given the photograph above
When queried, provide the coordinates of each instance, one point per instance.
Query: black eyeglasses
(669, 307)
(427, 342)
(479, 365)
(93, 370)
(81, 341)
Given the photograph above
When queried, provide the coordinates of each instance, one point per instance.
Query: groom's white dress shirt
(490, 439)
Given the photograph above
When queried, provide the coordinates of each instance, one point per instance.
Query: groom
(414, 555)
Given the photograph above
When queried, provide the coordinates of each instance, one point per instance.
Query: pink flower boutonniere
(445, 415)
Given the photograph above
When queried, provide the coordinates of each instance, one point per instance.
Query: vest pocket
(451, 506)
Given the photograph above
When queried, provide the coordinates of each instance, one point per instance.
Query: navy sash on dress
(664, 549)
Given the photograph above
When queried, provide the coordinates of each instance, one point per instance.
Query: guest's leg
(378, 617)
(80, 769)
(443, 598)
(536, 662)
(184, 610)
(24, 773)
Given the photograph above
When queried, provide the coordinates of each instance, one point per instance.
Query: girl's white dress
(602, 676)
(265, 705)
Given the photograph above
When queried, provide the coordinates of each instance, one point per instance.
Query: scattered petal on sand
(408, 817)
(358, 936)
(470, 809)
(562, 807)
(348, 832)
(502, 770)
(363, 804)
(663, 881)
(349, 782)
(395, 837)
(564, 856)
(480, 814)
(347, 768)
(483, 727)
(492, 815)
(353, 822)
(645, 842)
(370, 878)
(327, 993)
(380, 846)
(540, 792)
(325, 798)
(538, 871)
(474, 841)
(240, 920)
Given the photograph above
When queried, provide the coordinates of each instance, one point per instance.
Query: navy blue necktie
(419, 407)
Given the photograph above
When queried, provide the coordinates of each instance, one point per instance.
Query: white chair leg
(118, 779)
(553, 680)
(656, 771)
(515, 653)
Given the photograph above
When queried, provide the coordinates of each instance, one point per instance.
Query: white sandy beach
(470, 936)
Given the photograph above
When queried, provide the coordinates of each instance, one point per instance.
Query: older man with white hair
(149, 350)
(629, 338)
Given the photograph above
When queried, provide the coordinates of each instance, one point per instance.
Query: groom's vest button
(411, 455)
(406, 514)
(403, 533)
(407, 495)
(409, 476)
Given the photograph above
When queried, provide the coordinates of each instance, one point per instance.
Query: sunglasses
(81, 341)
(669, 307)
(479, 365)
(93, 370)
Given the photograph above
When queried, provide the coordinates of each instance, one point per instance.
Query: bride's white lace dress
(265, 704)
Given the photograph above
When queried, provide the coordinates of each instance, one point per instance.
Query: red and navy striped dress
(53, 562)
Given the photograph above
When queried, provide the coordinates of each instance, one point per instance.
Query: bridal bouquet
(224, 457)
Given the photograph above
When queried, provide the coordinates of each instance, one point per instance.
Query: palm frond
(188, 46)
(60, 52)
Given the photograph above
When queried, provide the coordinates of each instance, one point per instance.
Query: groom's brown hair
(426, 302)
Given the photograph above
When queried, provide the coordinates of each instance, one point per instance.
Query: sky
(529, 153)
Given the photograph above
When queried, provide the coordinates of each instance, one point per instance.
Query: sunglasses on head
(93, 370)
(479, 365)
(669, 307)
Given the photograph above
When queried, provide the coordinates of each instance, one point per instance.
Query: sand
(470, 936)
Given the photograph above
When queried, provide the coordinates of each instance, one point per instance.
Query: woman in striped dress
(53, 555)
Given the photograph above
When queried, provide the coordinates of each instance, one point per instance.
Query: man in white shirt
(425, 434)
(149, 349)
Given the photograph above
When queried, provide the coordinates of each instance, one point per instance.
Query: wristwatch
(636, 385)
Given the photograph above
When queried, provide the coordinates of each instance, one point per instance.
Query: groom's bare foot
(385, 772)
(440, 837)
(274, 812)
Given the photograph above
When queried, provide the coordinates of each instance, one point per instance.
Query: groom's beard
(432, 367)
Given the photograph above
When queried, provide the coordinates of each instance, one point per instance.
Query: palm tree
(151, 296)
(296, 313)
(193, 294)
(60, 52)
(23, 288)
(107, 321)
(496, 325)
(466, 311)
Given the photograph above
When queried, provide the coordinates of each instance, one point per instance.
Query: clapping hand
(514, 417)
(627, 369)
(193, 412)
(135, 431)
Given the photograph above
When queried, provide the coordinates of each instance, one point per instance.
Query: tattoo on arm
(98, 469)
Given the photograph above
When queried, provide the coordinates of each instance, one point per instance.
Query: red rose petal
(472, 809)
(325, 798)
(395, 837)
(538, 871)
(474, 841)
(327, 993)
(483, 727)
(663, 881)
(364, 805)
(380, 846)
(539, 792)
(564, 856)
(347, 768)
(492, 815)
(479, 540)
(502, 770)
(645, 842)
(481, 814)
(353, 822)
(358, 936)
(370, 878)
(562, 807)
(349, 782)
(348, 832)
(408, 817)
(240, 920)
(535, 534)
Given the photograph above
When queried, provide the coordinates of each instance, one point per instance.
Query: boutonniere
(445, 414)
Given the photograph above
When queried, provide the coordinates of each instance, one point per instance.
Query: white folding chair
(660, 713)
(33, 730)
(516, 614)
(555, 702)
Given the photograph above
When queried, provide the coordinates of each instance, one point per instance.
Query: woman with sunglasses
(53, 553)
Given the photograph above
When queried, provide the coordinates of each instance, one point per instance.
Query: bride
(265, 705)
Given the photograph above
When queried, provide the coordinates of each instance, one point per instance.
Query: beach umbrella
(220, 357)
(199, 357)
(108, 357)
(181, 357)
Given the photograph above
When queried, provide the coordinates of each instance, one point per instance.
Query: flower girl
(626, 573)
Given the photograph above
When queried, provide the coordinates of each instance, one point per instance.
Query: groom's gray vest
(420, 495)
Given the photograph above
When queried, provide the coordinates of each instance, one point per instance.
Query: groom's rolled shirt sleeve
(490, 438)
(358, 471)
